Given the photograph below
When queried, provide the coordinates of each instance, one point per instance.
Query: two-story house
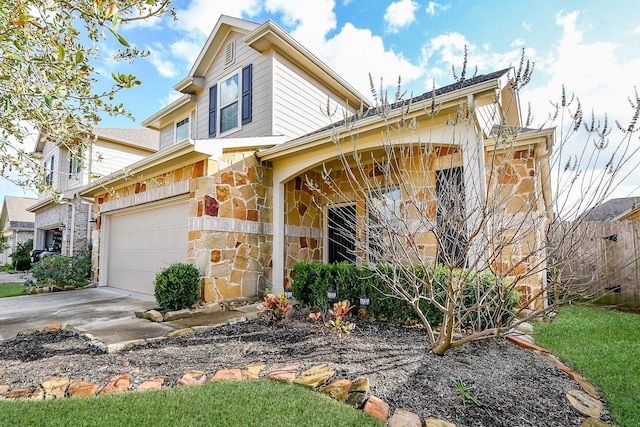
(17, 224)
(227, 191)
(64, 227)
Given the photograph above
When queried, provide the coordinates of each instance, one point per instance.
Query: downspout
(72, 230)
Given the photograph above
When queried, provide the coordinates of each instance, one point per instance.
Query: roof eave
(270, 35)
(371, 122)
(177, 108)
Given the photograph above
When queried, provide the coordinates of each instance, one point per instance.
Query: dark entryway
(451, 216)
(341, 233)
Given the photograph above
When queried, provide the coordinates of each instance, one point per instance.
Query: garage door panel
(141, 243)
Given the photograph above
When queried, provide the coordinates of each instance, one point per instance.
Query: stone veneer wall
(56, 214)
(515, 189)
(141, 190)
(231, 227)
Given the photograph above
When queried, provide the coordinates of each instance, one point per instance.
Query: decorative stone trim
(152, 195)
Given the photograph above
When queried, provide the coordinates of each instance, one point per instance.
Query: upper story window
(48, 168)
(75, 165)
(230, 102)
(183, 129)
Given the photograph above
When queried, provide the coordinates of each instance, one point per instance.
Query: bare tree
(462, 206)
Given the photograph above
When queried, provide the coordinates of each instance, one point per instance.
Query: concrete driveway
(106, 314)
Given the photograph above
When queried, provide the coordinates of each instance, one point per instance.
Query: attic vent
(230, 53)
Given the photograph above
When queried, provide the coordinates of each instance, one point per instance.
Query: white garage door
(141, 243)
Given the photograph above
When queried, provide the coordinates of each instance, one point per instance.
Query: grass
(604, 345)
(248, 403)
(11, 289)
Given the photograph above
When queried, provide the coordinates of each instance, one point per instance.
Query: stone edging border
(351, 392)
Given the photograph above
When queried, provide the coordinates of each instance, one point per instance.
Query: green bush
(63, 270)
(22, 256)
(312, 281)
(177, 286)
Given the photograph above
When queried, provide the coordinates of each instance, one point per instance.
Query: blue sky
(589, 46)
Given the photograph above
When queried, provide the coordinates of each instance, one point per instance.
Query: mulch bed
(514, 386)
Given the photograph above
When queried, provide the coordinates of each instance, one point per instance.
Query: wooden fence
(606, 255)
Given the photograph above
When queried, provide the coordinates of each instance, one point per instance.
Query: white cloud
(526, 25)
(162, 61)
(400, 14)
(310, 21)
(517, 42)
(202, 15)
(433, 8)
(358, 46)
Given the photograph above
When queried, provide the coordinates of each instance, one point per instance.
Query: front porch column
(475, 185)
(278, 258)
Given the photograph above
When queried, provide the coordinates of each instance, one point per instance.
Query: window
(75, 165)
(183, 130)
(48, 171)
(383, 211)
(230, 102)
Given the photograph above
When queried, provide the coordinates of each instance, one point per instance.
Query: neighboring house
(227, 191)
(620, 209)
(64, 226)
(17, 224)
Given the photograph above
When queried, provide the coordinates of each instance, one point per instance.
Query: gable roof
(496, 79)
(611, 209)
(14, 211)
(268, 35)
(143, 138)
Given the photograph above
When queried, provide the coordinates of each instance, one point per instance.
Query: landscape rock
(79, 388)
(404, 418)
(3, 389)
(53, 327)
(20, 393)
(315, 376)
(52, 389)
(288, 373)
(377, 408)
(436, 422)
(356, 399)
(525, 344)
(151, 384)
(252, 372)
(234, 374)
(212, 308)
(592, 422)
(178, 314)
(179, 332)
(28, 331)
(338, 390)
(585, 404)
(525, 327)
(118, 384)
(360, 384)
(153, 315)
(192, 378)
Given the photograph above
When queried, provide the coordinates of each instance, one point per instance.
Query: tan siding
(114, 157)
(299, 101)
(261, 120)
(166, 136)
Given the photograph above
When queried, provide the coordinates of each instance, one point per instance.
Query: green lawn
(11, 289)
(604, 345)
(249, 403)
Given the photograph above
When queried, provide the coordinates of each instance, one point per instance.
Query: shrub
(177, 286)
(312, 281)
(62, 270)
(22, 256)
(277, 307)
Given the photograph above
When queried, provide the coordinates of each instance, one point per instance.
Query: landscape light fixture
(331, 295)
(364, 301)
